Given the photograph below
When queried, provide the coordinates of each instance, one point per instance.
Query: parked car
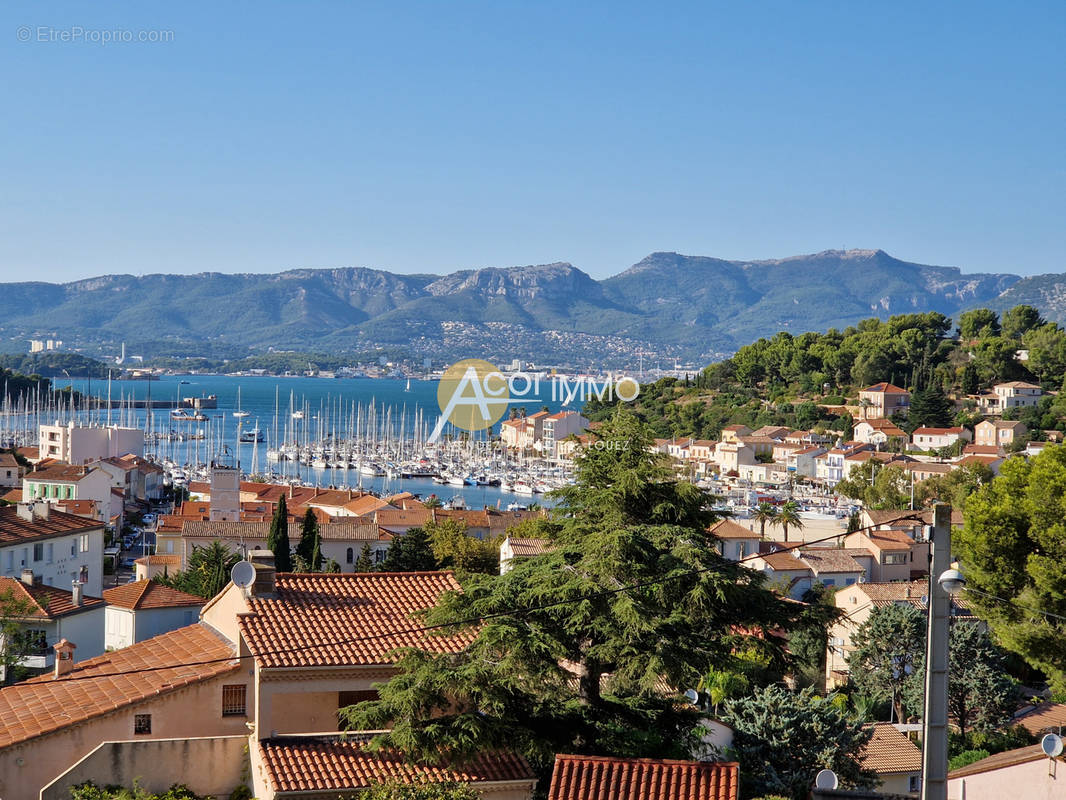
(127, 563)
(148, 518)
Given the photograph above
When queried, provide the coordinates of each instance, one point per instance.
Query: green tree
(809, 641)
(930, 408)
(782, 739)
(410, 552)
(1013, 551)
(454, 548)
(309, 550)
(1019, 320)
(953, 488)
(765, 513)
(16, 642)
(969, 381)
(789, 517)
(278, 537)
(432, 502)
(981, 323)
(878, 486)
(885, 650)
(365, 562)
(566, 658)
(207, 572)
(981, 695)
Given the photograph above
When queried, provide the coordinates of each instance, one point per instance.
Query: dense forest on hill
(802, 381)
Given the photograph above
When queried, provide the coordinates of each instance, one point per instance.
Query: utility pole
(935, 721)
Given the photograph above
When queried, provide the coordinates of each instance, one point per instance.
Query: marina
(358, 433)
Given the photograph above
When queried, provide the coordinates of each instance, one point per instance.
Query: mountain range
(667, 306)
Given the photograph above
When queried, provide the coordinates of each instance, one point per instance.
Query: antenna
(1051, 745)
(825, 779)
(242, 574)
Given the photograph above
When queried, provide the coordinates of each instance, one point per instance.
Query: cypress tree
(310, 546)
(278, 539)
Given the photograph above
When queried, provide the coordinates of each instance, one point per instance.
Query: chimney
(64, 657)
(25, 511)
(41, 509)
(27, 576)
(75, 593)
(263, 561)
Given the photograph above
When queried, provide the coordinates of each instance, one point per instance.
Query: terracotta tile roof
(350, 529)
(785, 561)
(149, 594)
(316, 764)
(974, 458)
(727, 529)
(113, 681)
(911, 592)
(1046, 716)
(49, 602)
(884, 539)
(313, 618)
(827, 560)
(937, 431)
(886, 388)
(79, 508)
(165, 559)
(8, 460)
(600, 778)
(1010, 758)
(366, 504)
(29, 453)
(407, 518)
(890, 751)
(14, 496)
(16, 530)
(1016, 385)
(524, 548)
(61, 473)
(928, 468)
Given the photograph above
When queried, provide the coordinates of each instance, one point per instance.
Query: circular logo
(472, 394)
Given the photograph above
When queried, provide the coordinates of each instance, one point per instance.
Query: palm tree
(765, 513)
(789, 515)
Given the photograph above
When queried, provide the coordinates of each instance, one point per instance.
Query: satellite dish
(925, 599)
(825, 779)
(242, 574)
(692, 696)
(1051, 745)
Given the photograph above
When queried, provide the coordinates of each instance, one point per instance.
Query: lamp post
(943, 582)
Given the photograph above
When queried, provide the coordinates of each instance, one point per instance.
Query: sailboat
(240, 413)
(408, 385)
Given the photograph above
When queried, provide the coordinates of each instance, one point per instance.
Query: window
(142, 723)
(51, 552)
(233, 700)
(379, 556)
(915, 783)
(38, 552)
(73, 547)
(83, 575)
(350, 556)
(829, 582)
(85, 543)
(32, 642)
(895, 558)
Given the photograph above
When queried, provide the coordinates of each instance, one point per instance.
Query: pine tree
(278, 538)
(884, 651)
(410, 552)
(580, 669)
(310, 547)
(365, 562)
(930, 408)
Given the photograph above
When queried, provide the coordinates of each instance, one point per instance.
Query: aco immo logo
(474, 395)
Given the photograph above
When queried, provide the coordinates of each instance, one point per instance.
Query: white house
(141, 610)
(58, 547)
(66, 482)
(80, 444)
(557, 427)
(937, 438)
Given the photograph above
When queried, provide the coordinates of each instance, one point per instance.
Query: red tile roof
(1044, 717)
(49, 602)
(890, 751)
(600, 778)
(60, 473)
(317, 764)
(886, 388)
(526, 547)
(1010, 758)
(727, 529)
(318, 619)
(16, 530)
(149, 594)
(164, 559)
(113, 681)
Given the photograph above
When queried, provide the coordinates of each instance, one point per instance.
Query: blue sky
(428, 137)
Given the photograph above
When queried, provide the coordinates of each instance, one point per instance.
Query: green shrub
(967, 757)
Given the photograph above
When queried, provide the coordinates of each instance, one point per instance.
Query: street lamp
(948, 581)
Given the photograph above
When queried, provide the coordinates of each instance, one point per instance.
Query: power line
(1016, 604)
(914, 516)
